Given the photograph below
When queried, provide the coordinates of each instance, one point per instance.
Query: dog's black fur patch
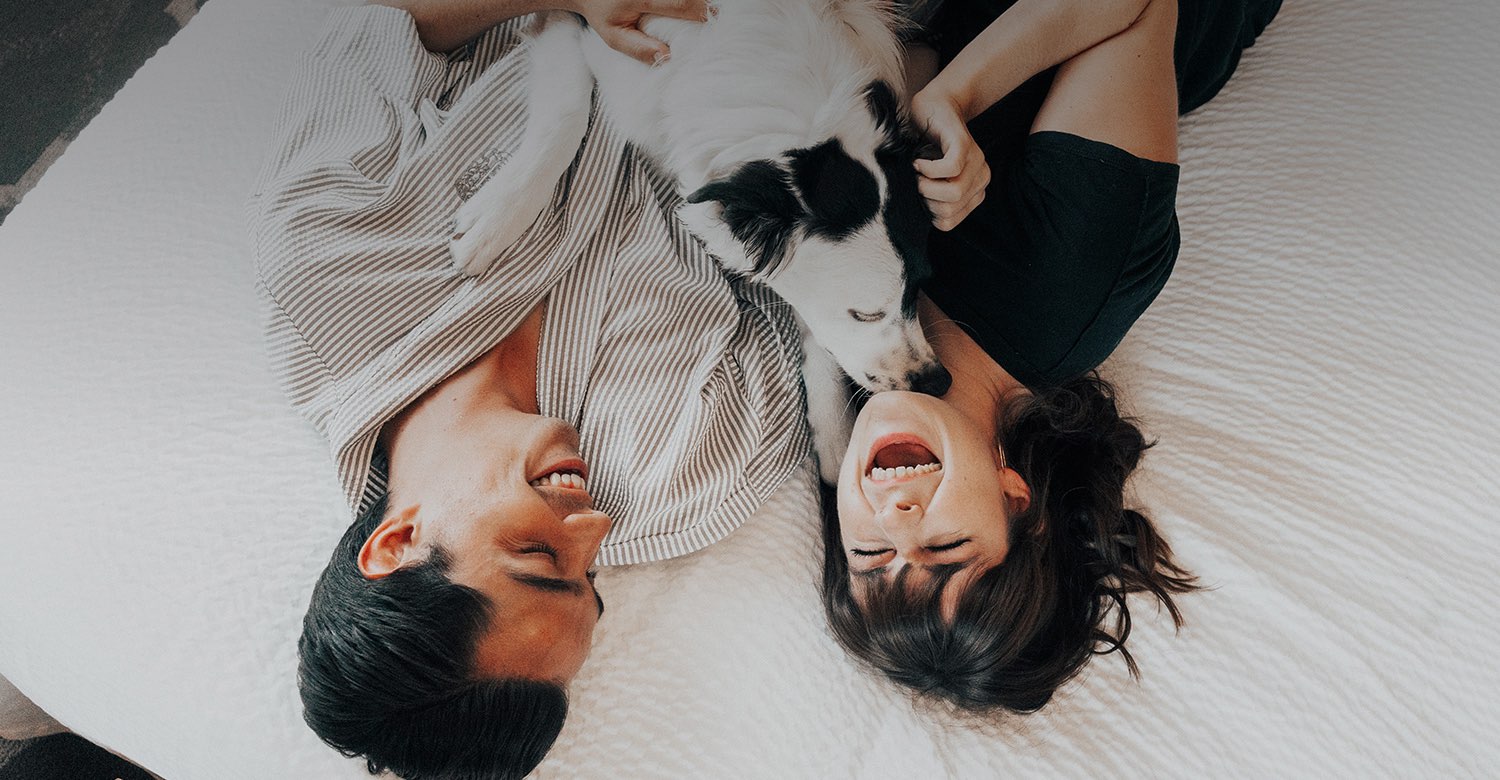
(759, 208)
(908, 221)
(840, 193)
(881, 100)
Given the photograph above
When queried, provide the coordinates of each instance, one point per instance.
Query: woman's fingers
(952, 200)
(942, 190)
(692, 10)
(947, 216)
(618, 23)
(951, 184)
(974, 177)
(947, 129)
(633, 43)
(952, 161)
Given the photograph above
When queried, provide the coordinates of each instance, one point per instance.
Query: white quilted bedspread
(1321, 373)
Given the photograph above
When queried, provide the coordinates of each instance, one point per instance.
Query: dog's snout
(933, 381)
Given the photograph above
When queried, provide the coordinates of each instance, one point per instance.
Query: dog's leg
(830, 413)
(557, 119)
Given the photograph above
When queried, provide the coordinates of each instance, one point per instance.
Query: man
(603, 394)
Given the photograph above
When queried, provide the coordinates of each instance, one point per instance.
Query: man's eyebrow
(549, 584)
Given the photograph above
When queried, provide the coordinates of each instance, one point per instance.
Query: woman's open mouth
(901, 456)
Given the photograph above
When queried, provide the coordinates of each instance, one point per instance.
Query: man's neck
(504, 378)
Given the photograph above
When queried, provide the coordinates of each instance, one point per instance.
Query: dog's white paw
(830, 413)
(830, 442)
(488, 224)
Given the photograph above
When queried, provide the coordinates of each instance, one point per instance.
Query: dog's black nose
(934, 381)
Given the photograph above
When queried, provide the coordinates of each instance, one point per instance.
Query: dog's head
(839, 230)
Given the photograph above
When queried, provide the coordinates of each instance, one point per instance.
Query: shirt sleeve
(376, 143)
(352, 107)
(356, 99)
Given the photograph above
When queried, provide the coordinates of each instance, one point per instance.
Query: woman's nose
(902, 512)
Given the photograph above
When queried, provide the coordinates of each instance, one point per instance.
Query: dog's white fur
(760, 78)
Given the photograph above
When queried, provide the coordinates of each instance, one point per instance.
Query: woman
(980, 550)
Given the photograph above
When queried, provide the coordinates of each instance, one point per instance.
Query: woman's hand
(954, 184)
(618, 23)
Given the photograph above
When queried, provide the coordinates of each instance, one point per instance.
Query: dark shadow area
(60, 62)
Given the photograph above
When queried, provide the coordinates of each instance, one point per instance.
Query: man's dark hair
(1026, 626)
(387, 673)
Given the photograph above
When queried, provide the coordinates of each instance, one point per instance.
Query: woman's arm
(445, 25)
(1030, 37)
(1113, 53)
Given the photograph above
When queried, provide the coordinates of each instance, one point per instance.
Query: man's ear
(393, 543)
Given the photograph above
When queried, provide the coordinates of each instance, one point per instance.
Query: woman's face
(923, 487)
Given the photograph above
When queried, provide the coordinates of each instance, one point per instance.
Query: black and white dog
(781, 124)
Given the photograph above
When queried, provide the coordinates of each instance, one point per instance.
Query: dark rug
(60, 62)
(63, 757)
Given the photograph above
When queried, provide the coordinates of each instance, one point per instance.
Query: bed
(1321, 374)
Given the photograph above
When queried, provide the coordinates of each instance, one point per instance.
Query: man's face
(519, 526)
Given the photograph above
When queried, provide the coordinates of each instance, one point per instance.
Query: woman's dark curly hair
(1029, 624)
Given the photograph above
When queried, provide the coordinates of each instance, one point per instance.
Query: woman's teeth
(556, 479)
(878, 474)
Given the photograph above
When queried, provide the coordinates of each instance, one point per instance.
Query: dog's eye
(867, 316)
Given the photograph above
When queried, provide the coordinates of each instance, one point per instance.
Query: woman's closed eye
(937, 548)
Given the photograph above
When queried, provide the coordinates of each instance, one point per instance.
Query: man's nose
(587, 529)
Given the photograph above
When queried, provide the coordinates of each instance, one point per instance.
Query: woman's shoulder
(1073, 242)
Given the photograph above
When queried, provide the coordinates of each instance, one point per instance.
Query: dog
(781, 121)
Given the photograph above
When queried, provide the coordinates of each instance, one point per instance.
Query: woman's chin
(892, 404)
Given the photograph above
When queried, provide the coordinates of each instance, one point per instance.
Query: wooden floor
(60, 62)
(63, 757)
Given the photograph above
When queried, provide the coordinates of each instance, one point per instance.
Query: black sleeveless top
(1075, 238)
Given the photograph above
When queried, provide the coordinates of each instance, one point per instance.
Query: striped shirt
(683, 383)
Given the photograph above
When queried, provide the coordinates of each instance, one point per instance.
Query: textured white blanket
(1321, 372)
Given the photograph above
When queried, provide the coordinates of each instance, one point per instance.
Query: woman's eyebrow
(938, 570)
(946, 570)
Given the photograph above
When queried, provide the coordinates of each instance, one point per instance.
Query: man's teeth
(556, 479)
(879, 474)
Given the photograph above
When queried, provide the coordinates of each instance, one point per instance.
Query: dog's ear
(883, 104)
(757, 204)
